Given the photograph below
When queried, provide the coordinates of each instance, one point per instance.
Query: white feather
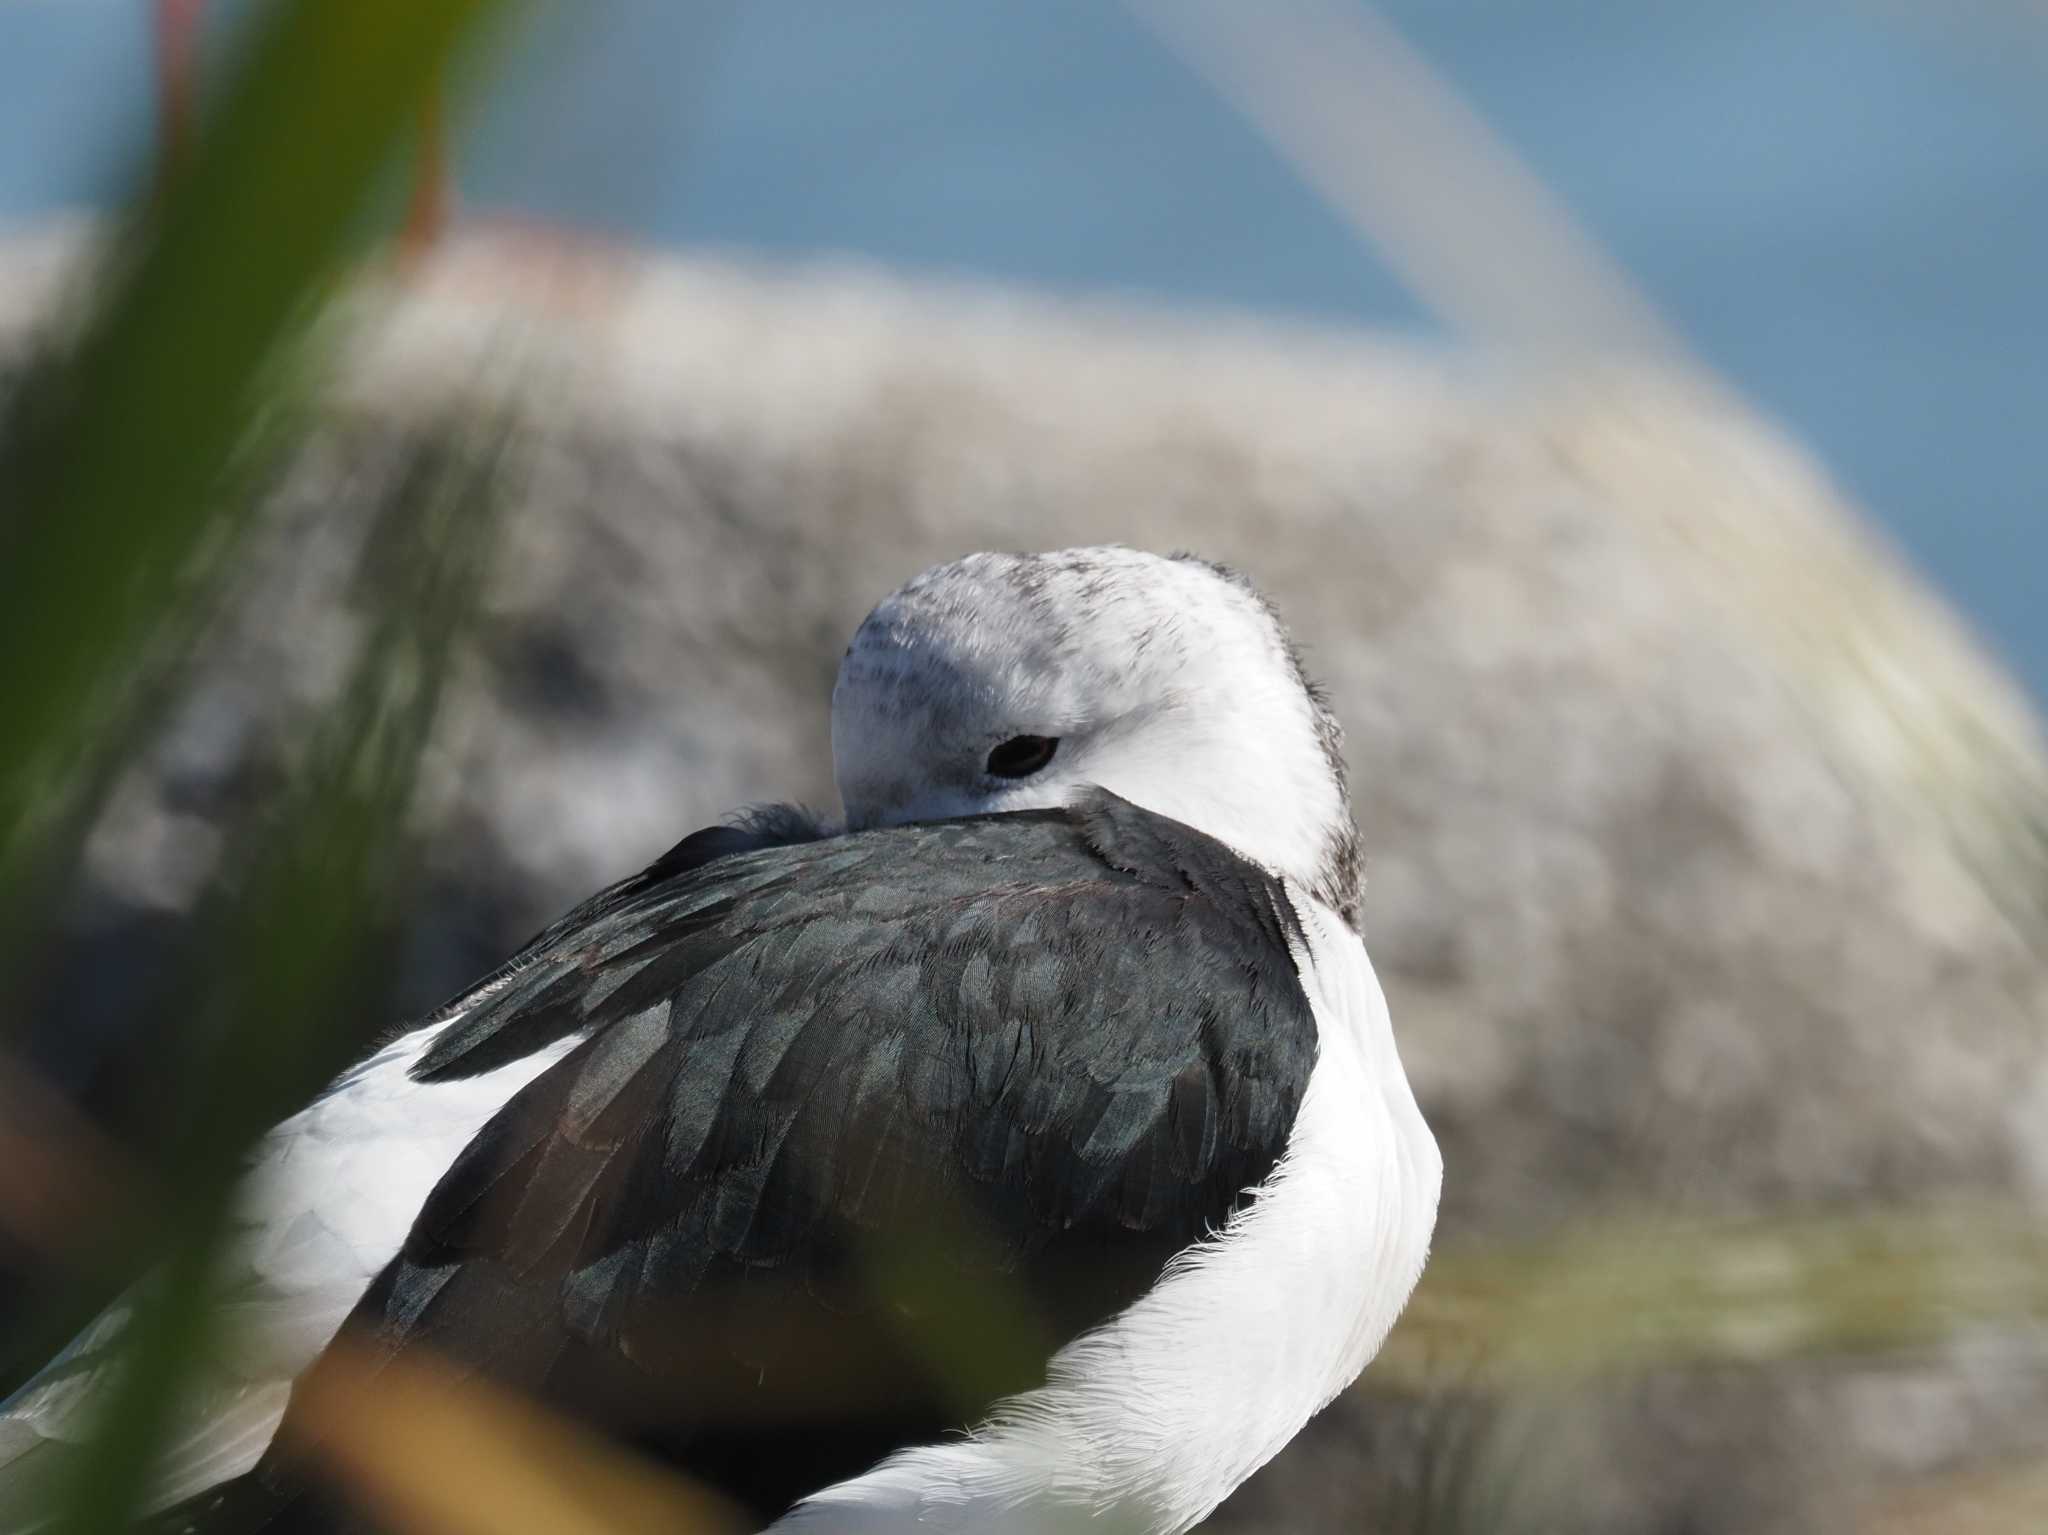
(330, 1196)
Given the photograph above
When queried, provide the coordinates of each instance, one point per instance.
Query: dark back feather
(857, 1131)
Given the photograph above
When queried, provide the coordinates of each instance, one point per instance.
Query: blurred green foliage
(264, 1002)
(130, 478)
(1637, 1292)
(113, 460)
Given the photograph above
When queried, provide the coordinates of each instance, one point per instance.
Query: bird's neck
(1254, 775)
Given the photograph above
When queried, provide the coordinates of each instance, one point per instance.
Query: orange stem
(428, 209)
(177, 80)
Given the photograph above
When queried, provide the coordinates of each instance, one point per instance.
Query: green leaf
(111, 464)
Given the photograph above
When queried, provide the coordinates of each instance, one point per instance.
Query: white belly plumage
(1149, 1421)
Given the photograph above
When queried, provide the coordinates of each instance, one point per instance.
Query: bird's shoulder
(1072, 1027)
(1100, 882)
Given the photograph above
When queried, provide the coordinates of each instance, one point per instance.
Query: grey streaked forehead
(1046, 642)
(949, 633)
(1035, 607)
(978, 626)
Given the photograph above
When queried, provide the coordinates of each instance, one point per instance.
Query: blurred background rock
(1708, 854)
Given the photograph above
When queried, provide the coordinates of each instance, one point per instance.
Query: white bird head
(1014, 681)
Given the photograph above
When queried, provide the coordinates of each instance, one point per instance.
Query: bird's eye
(1021, 756)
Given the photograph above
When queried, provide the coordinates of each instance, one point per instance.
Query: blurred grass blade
(973, 1327)
(1398, 155)
(110, 466)
(112, 735)
(170, 1332)
(436, 1453)
(1628, 1295)
(267, 1010)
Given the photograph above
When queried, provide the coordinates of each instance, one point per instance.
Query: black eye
(1021, 756)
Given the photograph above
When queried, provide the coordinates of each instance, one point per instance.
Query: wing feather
(1038, 1053)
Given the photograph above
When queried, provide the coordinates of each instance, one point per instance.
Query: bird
(1027, 1149)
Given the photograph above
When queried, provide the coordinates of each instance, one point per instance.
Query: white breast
(1148, 1423)
(329, 1198)
(334, 1191)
